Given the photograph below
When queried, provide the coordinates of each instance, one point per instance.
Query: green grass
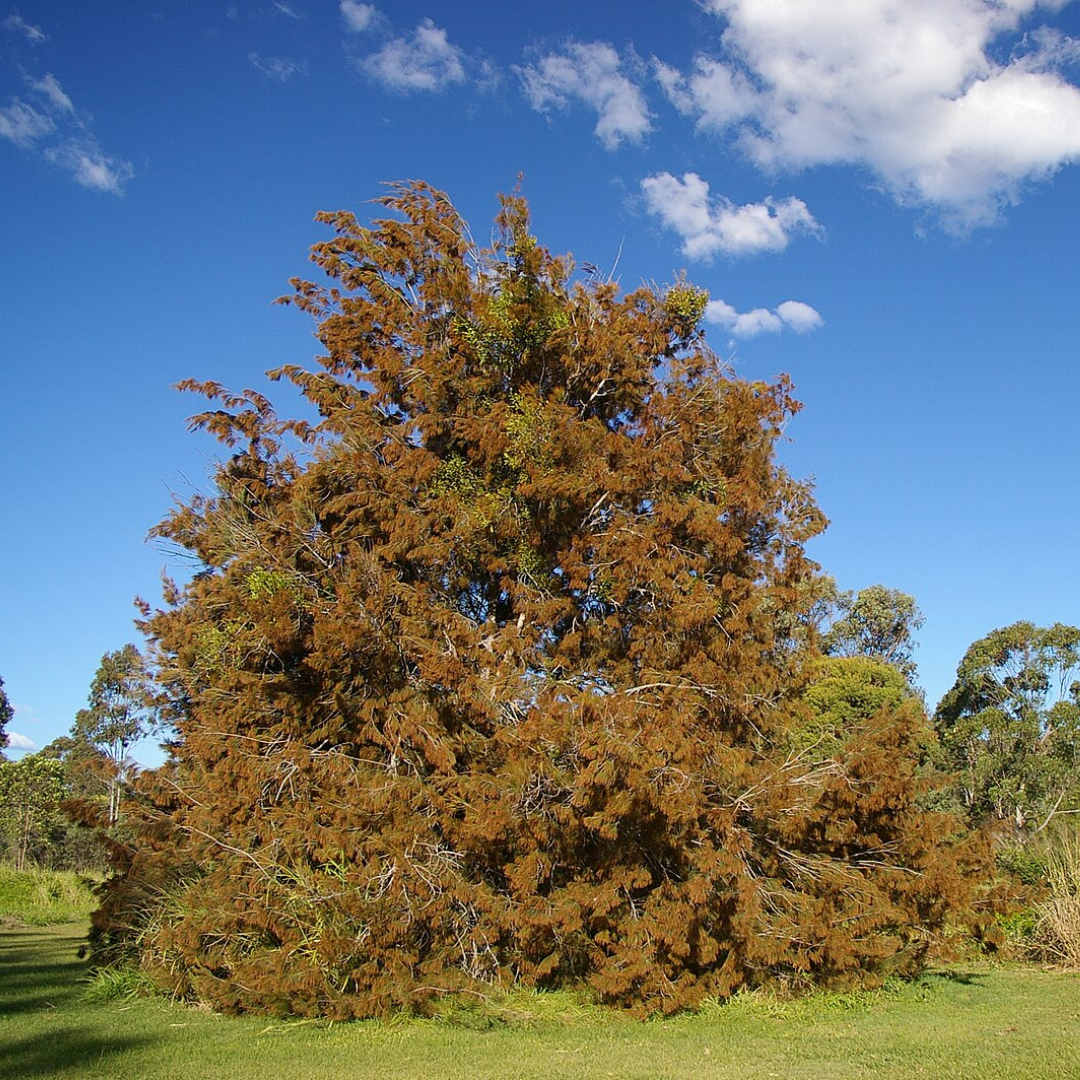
(1008, 1022)
(42, 897)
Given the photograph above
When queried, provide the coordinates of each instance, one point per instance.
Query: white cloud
(16, 22)
(23, 125)
(273, 67)
(55, 130)
(790, 315)
(49, 86)
(286, 10)
(674, 86)
(709, 225)
(358, 17)
(19, 742)
(89, 166)
(914, 91)
(719, 94)
(426, 61)
(592, 74)
(800, 317)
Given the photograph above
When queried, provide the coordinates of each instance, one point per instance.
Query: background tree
(490, 675)
(118, 715)
(31, 790)
(843, 693)
(6, 713)
(1010, 725)
(79, 842)
(875, 622)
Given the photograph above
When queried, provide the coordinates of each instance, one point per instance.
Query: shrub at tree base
(492, 677)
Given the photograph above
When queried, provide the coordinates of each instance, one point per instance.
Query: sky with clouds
(879, 195)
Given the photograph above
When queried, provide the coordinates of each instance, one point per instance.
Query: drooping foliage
(1010, 726)
(490, 674)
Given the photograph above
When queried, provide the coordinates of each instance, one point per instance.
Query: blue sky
(880, 196)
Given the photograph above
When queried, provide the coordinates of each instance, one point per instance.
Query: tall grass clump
(38, 897)
(118, 984)
(1056, 932)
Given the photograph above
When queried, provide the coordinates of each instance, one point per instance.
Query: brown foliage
(487, 678)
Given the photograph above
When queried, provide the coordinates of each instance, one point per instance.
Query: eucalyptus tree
(117, 715)
(875, 622)
(1010, 725)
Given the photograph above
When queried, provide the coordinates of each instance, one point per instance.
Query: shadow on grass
(964, 978)
(53, 1052)
(41, 998)
(40, 970)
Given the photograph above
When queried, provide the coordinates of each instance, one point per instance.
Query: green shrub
(1019, 929)
(1027, 862)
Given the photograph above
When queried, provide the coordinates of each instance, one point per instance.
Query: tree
(6, 713)
(117, 716)
(876, 622)
(81, 842)
(843, 693)
(1010, 725)
(31, 790)
(489, 675)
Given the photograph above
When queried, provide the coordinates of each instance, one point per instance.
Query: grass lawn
(1012, 1023)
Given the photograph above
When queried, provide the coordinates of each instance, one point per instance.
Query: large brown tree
(486, 679)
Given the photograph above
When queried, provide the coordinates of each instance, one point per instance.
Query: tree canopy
(875, 622)
(844, 692)
(1010, 725)
(30, 793)
(6, 713)
(117, 715)
(489, 674)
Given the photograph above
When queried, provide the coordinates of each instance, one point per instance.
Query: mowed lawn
(965, 1022)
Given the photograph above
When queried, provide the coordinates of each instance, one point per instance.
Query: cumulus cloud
(802, 318)
(710, 225)
(591, 74)
(273, 67)
(19, 742)
(425, 61)
(90, 166)
(358, 17)
(674, 86)
(790, 315)
(15, 22)
(917, 92)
